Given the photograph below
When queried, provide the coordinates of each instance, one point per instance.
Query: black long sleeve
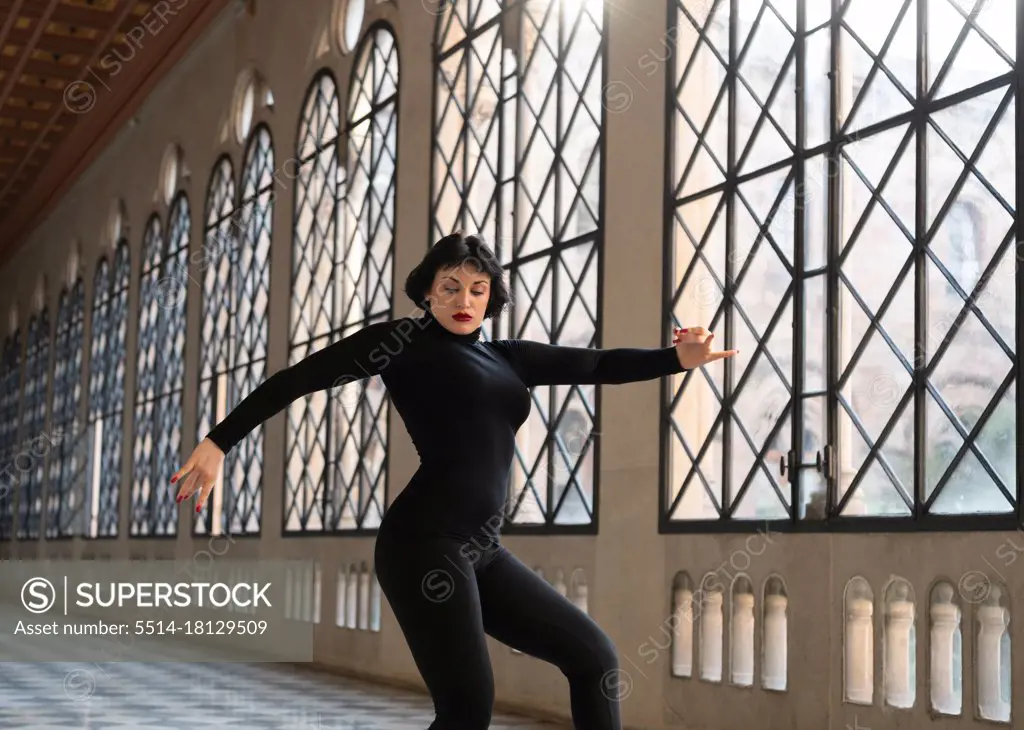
(462, 401)
(361, 355)
(538, 363)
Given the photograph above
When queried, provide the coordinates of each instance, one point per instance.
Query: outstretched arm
(352, 358)
(538, 363)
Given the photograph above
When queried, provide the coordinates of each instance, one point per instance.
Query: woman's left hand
(693, 346)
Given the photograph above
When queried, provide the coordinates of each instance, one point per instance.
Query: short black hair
(452, 251)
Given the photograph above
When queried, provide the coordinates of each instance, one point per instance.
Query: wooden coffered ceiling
(72, 73)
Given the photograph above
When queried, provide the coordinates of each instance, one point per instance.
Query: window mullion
(1018, 279)
(795, 455)
(832, 319)
(920, 270)
(730, 248)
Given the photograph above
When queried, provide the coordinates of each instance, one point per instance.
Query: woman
(438, 557)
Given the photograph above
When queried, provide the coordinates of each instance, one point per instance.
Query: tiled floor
(162, 696)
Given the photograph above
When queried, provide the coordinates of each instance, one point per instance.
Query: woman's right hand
(203, 467)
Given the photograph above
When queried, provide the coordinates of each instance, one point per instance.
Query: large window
(842, 208)
(220, 240)
(236, 291)
(313, 315)
(106, 393)
(64, 485)
(517, 156)
(34, 439)
(342, 281)
(164, 281)
(10, 394)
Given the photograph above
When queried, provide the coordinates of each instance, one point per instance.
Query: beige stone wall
(629, 566)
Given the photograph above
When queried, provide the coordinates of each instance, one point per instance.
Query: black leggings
(447, 594)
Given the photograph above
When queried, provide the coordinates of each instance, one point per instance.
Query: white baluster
(580, 598)
(374, 604)
(364, 598)
(743, 639)
(236, 577)
(776, 631)
(307, 592)
(898, 688)
(682, 633)
(299, 604)
(559, 584)
(711, 637)
(289, 591)
(580, 592)
(316, 593)
(232, 581)
(945, 624)
(339, 599)
(352, 597)
(992, 619)
(859, 650)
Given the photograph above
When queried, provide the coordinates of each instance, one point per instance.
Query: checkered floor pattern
(200, 696)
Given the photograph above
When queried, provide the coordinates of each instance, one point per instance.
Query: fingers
(197, 481)
(201, 486)
(183, 470)
(689, 334)
(701, 336)
(721, 355)
(204, 495)
(188, 486)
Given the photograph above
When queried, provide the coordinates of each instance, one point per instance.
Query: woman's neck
(431, 325)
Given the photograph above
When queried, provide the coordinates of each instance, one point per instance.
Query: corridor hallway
(166, 696)
(817, 534)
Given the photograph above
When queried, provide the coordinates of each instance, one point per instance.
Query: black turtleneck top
(461, 399)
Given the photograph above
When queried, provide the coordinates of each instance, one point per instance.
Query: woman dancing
(438, 556)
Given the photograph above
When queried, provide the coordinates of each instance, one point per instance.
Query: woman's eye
(479, 293)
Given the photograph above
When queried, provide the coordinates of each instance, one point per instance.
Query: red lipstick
(462, 317)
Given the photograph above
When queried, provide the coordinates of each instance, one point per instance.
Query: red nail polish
(684, 330)
(198, 507)
(174, 479)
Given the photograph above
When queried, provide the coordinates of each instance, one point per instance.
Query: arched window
(65, 462)
(343, 281)
(33, 418)
(822, 227)
(518, 146)
(10, 392)
(164, 282)
(313, 309)
(220, 242)
(106, 392)
(236, 287)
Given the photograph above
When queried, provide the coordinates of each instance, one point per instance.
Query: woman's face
(458, 299)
